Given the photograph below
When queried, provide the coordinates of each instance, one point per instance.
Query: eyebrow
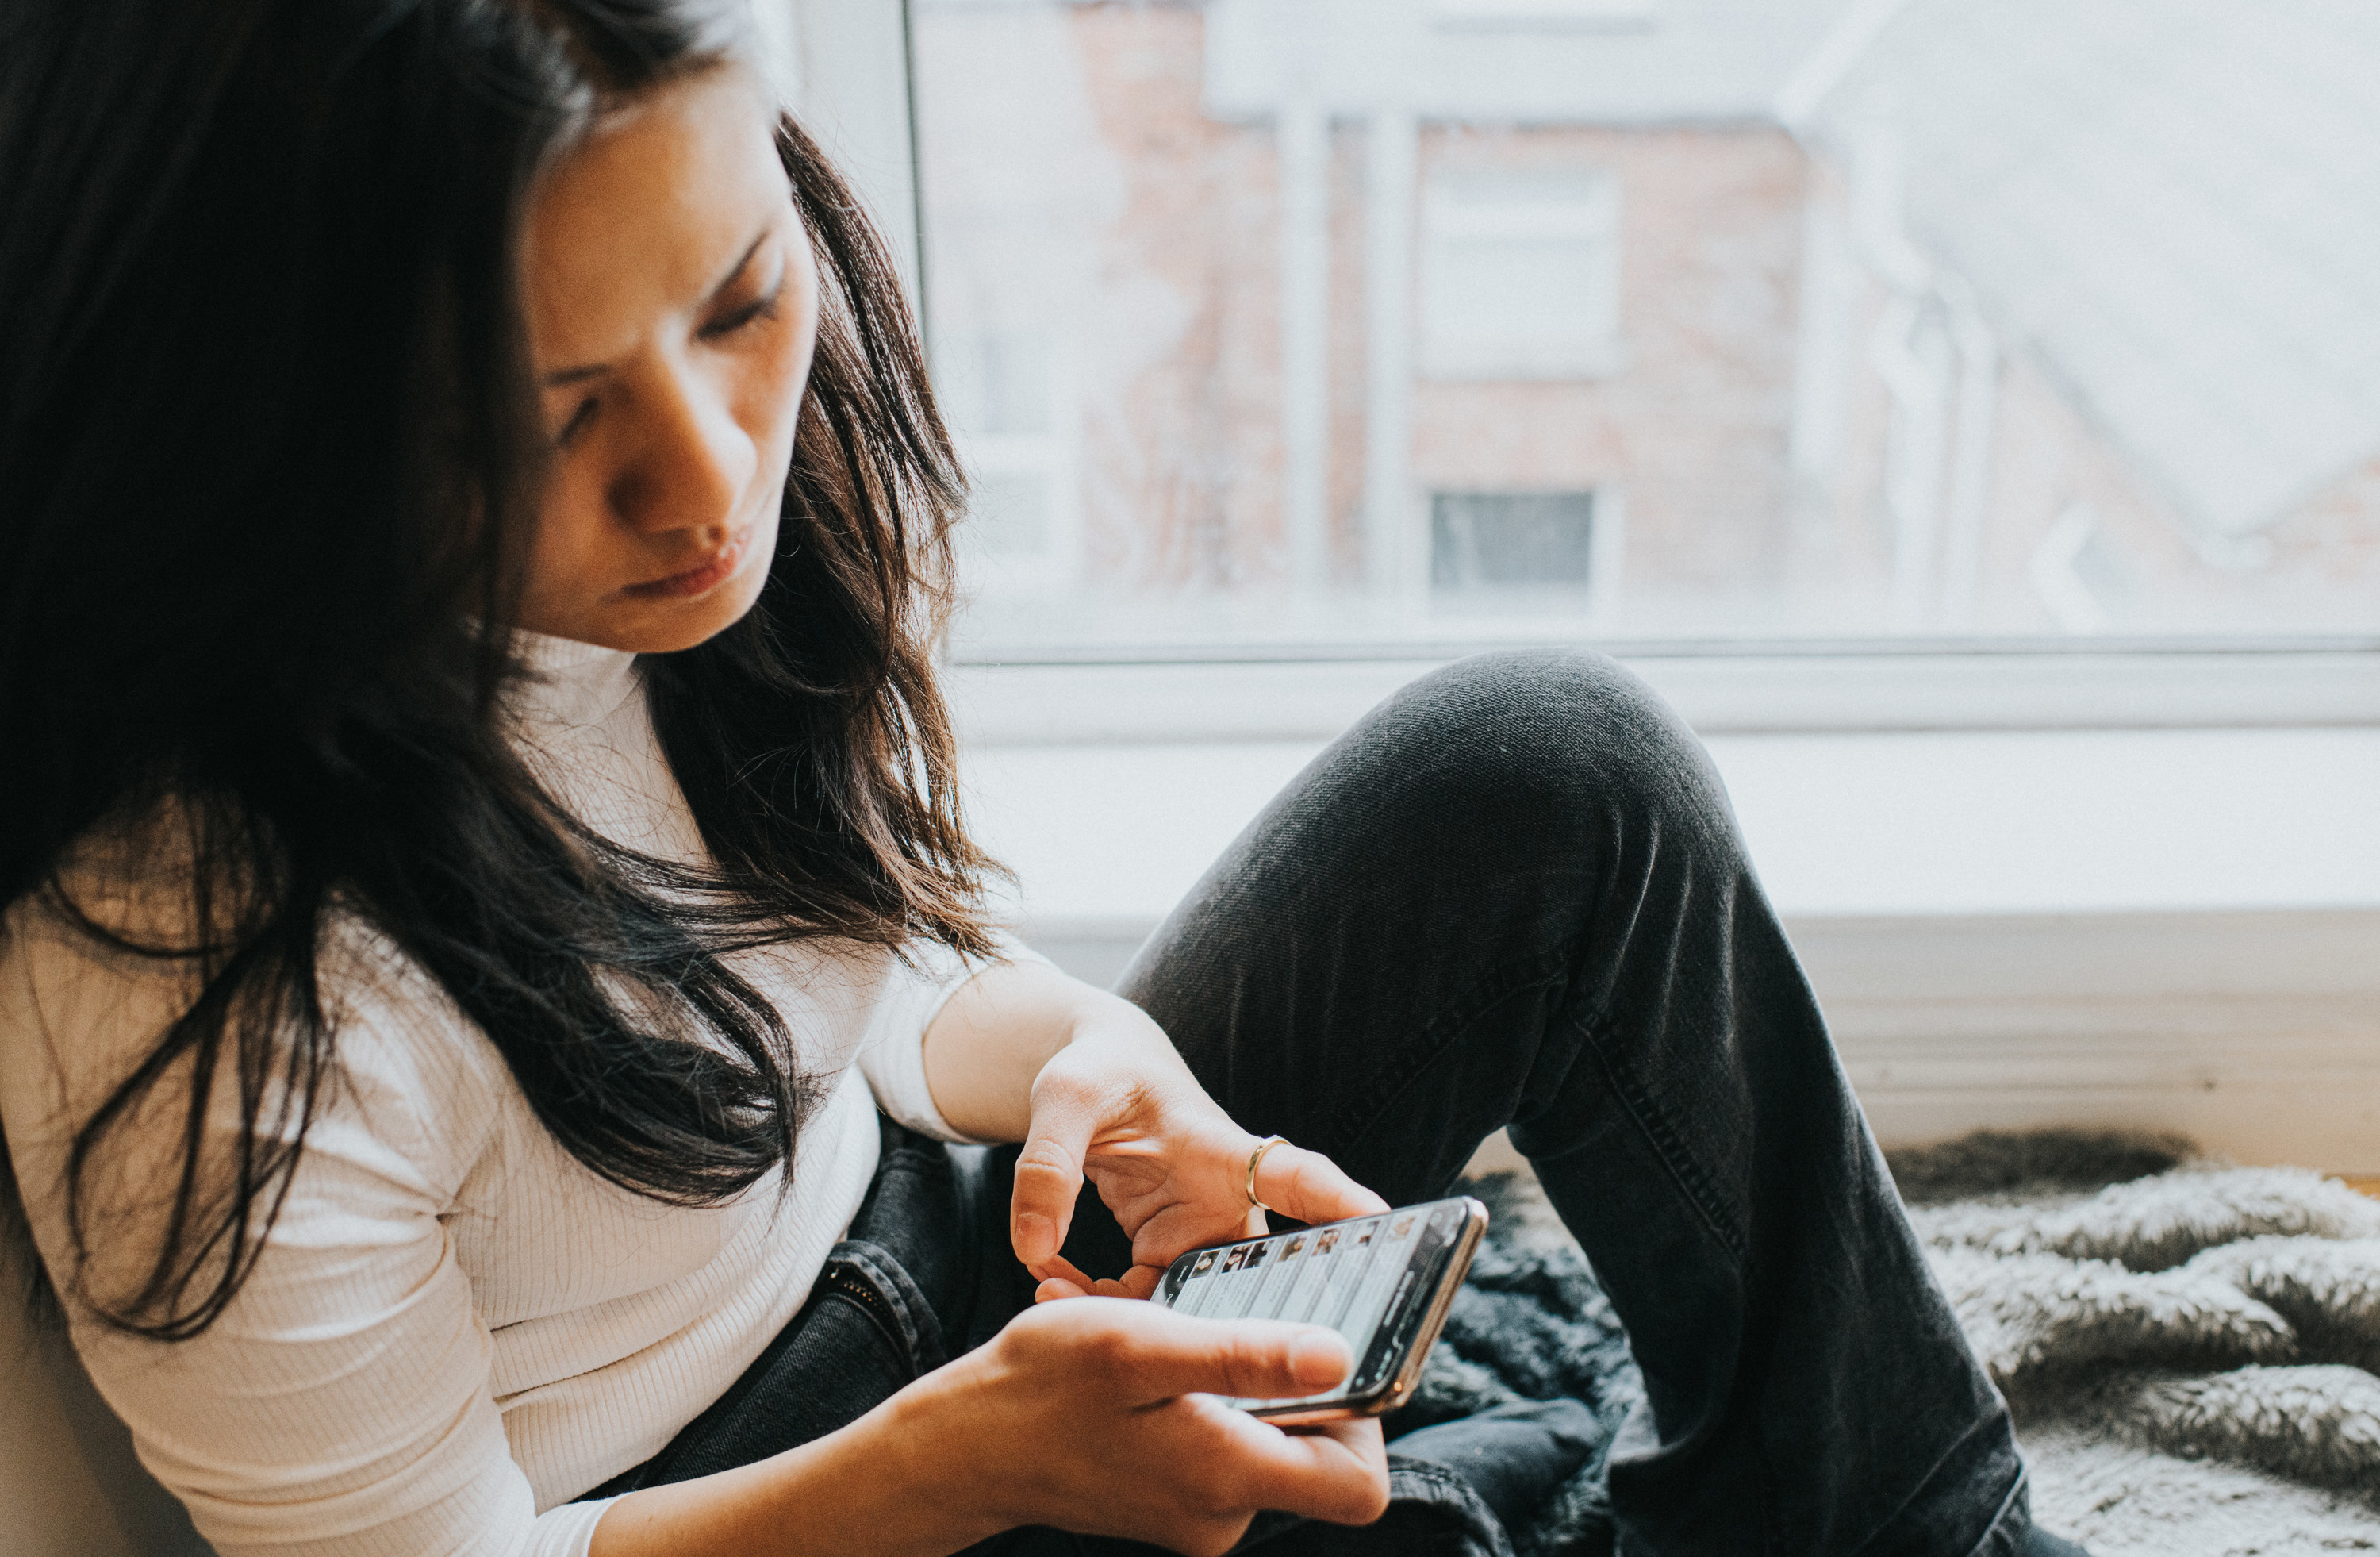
(561, 376)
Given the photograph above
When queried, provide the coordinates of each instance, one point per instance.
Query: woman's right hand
(1094, 1415)
(1097, 1415)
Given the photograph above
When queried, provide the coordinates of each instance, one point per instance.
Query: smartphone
(1384, 1281)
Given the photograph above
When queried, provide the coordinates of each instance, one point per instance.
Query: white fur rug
(2189, 1352)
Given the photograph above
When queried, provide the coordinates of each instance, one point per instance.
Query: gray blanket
(2189, 1348)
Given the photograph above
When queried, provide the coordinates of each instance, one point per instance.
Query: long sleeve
(342, 1403)
(454, 1326)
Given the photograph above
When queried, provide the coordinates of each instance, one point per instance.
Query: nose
(692, 459)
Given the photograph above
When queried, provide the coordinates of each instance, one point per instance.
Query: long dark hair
(267, 458)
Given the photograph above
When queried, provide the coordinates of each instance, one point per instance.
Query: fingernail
(1319, 1360)
(1037, 1238)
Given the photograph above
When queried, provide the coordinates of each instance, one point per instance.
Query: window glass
(1351, 321)
(1520, 276)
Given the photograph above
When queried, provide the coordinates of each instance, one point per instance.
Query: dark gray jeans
(1512, 897)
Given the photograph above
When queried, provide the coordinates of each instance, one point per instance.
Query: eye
(748, 313)
(578, 423)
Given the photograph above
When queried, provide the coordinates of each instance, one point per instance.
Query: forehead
(647, 213)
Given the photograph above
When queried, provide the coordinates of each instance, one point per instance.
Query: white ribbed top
(455, 1327)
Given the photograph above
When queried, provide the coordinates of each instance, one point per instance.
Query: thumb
(1048, 1177)
(1259, 1359)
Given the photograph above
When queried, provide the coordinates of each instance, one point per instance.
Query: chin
(698, 622)
(667, 628)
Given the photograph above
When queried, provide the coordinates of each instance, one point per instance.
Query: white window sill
(1288, 691)
(2173, 928)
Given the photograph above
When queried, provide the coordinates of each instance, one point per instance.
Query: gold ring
(1255, 1156)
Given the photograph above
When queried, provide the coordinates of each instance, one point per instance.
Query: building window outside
(1520, 277)
(1492, 550)
(1262, 324)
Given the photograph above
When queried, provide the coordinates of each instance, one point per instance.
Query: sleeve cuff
(567, 1531)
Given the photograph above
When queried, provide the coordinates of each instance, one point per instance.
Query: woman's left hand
(1118, 1105)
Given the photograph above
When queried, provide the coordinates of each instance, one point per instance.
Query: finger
(1056, 1288)
(1264, 1359)
(1336, 1471)
(1311, 1187)
(1048, 1177)
(1142, 1280)
(1058, 1268)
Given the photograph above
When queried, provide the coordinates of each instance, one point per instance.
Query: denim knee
(1537, 740)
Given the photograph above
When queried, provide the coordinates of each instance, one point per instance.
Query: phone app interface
(1369, 1280)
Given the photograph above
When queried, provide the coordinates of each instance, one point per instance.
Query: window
(1893, 327)
(1493, 551)
(1934, 402)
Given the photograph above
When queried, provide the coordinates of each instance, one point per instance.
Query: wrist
(892, 1484)
(940, 1444)
(1113, 1022)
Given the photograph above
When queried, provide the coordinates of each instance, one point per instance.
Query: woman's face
(671, 304)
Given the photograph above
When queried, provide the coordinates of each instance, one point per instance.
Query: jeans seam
(1919, 1487)
(921, 1338)
(1498, 983)
(2022, 1489)
(1511, 977)
(1654, 1120)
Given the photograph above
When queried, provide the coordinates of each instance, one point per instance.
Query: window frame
(1089, 697)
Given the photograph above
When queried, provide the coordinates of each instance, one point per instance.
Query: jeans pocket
(866, 1332)
(864, 1277)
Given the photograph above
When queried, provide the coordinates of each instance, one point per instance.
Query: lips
(702, 579)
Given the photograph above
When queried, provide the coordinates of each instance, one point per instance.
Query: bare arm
(855, 1490)
(993, 1037)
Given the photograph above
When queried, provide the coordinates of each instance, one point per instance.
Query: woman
(485, 850)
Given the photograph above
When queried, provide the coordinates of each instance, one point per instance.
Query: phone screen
(1372, 1279)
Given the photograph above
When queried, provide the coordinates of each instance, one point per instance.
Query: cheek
(569, 531)
(772, 396)
(781, 375)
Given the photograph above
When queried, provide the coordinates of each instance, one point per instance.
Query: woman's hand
(1117, 1105)
(1101, 1417)
(1097, 1416)
(1093, 1088)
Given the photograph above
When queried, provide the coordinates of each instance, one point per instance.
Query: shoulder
(93, 960)
(97, 967)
